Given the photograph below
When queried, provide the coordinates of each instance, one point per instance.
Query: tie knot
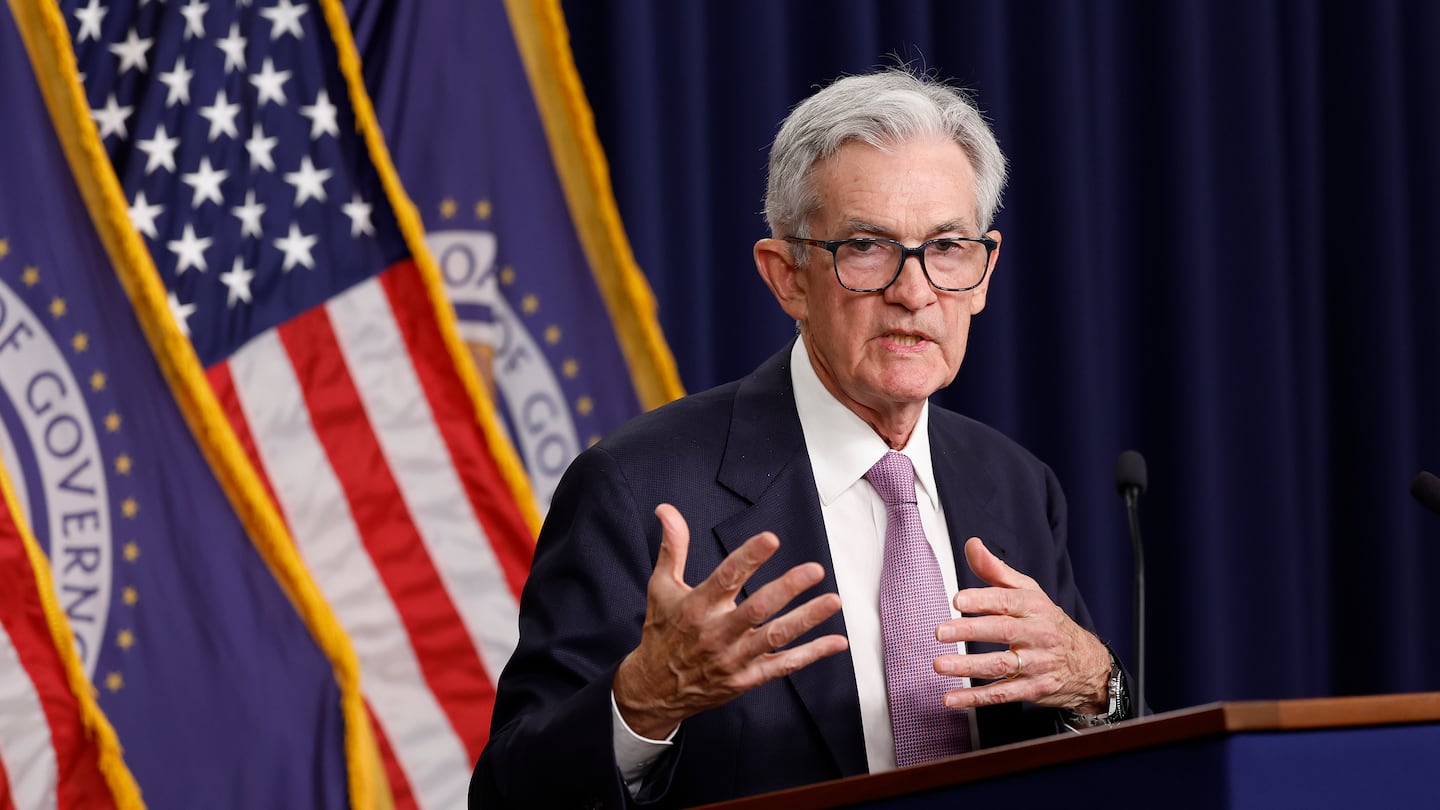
(893, 476)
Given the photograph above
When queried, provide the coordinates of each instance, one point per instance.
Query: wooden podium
(1358, 752)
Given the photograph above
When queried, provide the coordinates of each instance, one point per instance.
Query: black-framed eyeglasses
(952, 263)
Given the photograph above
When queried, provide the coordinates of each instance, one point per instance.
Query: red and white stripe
(49, 757)
(367, 439)
(28, 769)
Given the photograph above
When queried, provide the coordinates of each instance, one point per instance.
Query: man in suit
(820, 508)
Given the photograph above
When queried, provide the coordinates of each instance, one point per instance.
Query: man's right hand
(699, 649)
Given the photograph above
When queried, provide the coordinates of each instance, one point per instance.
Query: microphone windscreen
(1426, 489)
(1130, 472)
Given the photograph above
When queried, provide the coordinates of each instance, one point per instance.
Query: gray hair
(881, 109)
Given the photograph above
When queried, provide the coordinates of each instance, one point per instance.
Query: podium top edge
(1194, 723)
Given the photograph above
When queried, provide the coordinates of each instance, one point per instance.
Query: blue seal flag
(489, 128)
(212, 658)
(230, 158)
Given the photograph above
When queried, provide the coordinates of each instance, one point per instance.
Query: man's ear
(977, 295)
(787, 282)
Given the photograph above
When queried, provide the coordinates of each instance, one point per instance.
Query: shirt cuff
(635, 754)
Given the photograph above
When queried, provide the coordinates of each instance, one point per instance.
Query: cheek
(956, 343)
(846, 346)
(839, 322)
(956, 355)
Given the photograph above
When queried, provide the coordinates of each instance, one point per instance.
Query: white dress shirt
(842, 448)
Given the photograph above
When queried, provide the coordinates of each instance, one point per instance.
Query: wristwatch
(1118, 708)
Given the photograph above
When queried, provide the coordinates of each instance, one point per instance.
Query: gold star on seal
(530, 304)
(483, 209)
(584, 405)
(552, 334)
(114, 682)
(592, 441)
(80, 342)
(97, 381)
(31, 276)
(57, 307)
(125, 639)
(130, 596)
(447, 208)
(4, 248)
(131, 551)
(112, 422)
(123, 464)
(507, 276)
(570, 368)
(129, 508)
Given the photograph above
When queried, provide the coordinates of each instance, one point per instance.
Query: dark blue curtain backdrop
(1221, 243)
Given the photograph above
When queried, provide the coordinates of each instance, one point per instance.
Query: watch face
(1119, 700)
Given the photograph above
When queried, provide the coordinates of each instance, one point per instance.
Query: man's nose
(911, 288)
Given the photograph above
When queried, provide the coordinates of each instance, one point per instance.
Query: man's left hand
(1052, 661)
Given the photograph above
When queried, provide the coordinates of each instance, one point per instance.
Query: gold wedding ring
(1019, 665)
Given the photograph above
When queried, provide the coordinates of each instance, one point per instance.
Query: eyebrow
(956, 225)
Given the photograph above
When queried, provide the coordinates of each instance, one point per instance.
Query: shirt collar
(842, 447)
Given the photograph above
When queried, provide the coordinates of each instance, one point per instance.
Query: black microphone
(1130, 482)
(1426, 489)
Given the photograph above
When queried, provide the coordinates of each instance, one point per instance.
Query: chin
(909, 386)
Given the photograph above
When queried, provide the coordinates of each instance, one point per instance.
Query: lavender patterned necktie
(912, 603)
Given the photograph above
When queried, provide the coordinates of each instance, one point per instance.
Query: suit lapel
(966, 490)
(766, 464)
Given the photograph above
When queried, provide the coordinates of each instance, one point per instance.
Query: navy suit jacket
(733, 461)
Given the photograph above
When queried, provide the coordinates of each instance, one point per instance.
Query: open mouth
(905, 339)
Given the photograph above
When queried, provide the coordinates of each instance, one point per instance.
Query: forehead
(910, 188)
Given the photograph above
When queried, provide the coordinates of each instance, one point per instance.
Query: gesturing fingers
(996, 629)
(674, 545)
(728, 577)
(1051, 661)
(699, 648)
(770, 598)
(774, 665)
(1005, 665)
(736, 569)
(756, 626)
(999, 602)
(768, 634)
(994, 570)
(1011, 593)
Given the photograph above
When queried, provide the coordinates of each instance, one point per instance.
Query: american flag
(258, 189)
(52, 734)
(511, 180)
